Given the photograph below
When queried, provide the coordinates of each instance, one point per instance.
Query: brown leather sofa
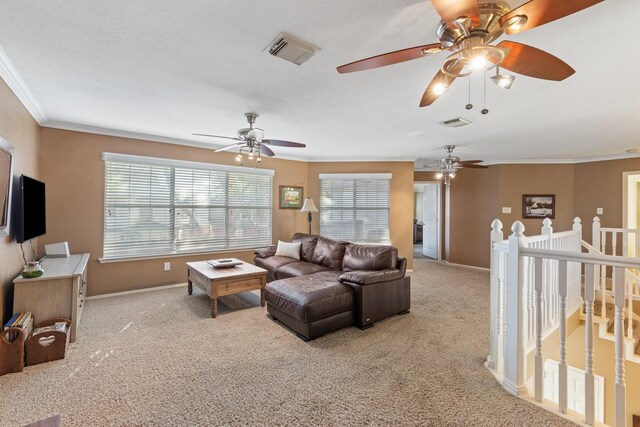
(334, 285)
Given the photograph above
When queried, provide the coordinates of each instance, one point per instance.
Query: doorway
(426, 220)
(631, 208)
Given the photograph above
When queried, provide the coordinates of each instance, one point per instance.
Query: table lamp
(309, 207)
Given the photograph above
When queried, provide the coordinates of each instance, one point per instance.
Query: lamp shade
(309, 206)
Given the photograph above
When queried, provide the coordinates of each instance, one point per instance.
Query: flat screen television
(32, 218)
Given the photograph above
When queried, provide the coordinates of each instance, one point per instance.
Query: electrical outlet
(506, 210)
(599, 211)
(167, 266)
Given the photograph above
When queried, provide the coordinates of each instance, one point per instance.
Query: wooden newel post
(515, 319)
(494, 297)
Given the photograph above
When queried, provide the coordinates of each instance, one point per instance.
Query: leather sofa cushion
(300, 268)
(308, 245)
(370, 277)
(266, 252)
(273, 263)
(329, 253)
(312, 297)
(369, 257)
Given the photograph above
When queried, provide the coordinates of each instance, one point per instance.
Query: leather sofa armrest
(266, 252)
(368, 277)
(402, 265)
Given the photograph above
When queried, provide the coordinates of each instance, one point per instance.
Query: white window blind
(355, 207)
(159, 207)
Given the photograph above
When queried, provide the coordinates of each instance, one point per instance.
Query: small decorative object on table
(224, 262)
(290, 197)
(32, 270)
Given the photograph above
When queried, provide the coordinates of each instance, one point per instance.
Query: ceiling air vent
(290, 49)
(456, 123)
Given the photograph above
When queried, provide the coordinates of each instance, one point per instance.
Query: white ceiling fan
(250, 141)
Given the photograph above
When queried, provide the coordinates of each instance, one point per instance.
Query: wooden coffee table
(218, 282)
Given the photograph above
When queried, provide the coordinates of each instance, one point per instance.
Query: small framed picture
(539, 206)
(290, 197)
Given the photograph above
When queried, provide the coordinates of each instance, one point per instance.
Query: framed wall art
(291, 197)
(539, 206)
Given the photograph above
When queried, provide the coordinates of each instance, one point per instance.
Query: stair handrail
(534, 277)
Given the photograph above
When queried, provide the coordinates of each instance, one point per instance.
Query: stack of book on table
(22, 321)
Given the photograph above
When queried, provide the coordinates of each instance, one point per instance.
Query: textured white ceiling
(170, 68)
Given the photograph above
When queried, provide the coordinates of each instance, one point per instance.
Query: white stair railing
(514, 314)
(522, 271)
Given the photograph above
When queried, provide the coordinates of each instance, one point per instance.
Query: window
(160, 206)
(355, 207)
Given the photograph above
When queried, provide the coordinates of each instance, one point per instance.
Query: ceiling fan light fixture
(439, 175)
(515, 22)
(478, 62)
(503, 80)
(440, 88)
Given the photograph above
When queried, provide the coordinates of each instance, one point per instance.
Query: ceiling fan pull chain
(469, 105)
(484, 101)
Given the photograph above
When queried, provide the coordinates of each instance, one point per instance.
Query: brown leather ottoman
(311, 305)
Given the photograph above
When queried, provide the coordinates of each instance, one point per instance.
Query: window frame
(355, 177)
(174, 205)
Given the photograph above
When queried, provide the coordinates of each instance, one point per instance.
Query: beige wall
(599, 185)
(473, 205)
(401, 214)
(20, 130)
(476, 197)
(516, 180)
(71, 166)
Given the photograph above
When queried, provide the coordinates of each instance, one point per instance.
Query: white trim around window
(164, 207)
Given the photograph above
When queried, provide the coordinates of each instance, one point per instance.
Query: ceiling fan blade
(540, 12)
(430, 95)
(217, 136)
(227, 147)
(280, 143)
(266, 151)
(464, 162)
(449, 10)
(533, 62)
(389, 58)
(472, 166)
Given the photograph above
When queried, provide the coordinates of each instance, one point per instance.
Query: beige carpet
(157, 359)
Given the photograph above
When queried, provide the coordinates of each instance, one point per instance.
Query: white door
(576, 388)
(430, 217)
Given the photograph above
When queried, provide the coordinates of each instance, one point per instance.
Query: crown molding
(10, 75)
(140, 136)
(564, 161)
(547, 161)
(197, 144)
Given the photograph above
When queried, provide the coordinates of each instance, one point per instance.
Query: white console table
(59, 292)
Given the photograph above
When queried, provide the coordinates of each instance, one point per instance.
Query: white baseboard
(137, 291)
(473, 267)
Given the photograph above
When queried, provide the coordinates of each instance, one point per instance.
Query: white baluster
(603, 242)
(539, 367)
(595, 232)
(628, 284)
(494, 298)
(625, 237)
(589, 296)
(620, 387)
(614, 243)
(562, 291)
(515, 302)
